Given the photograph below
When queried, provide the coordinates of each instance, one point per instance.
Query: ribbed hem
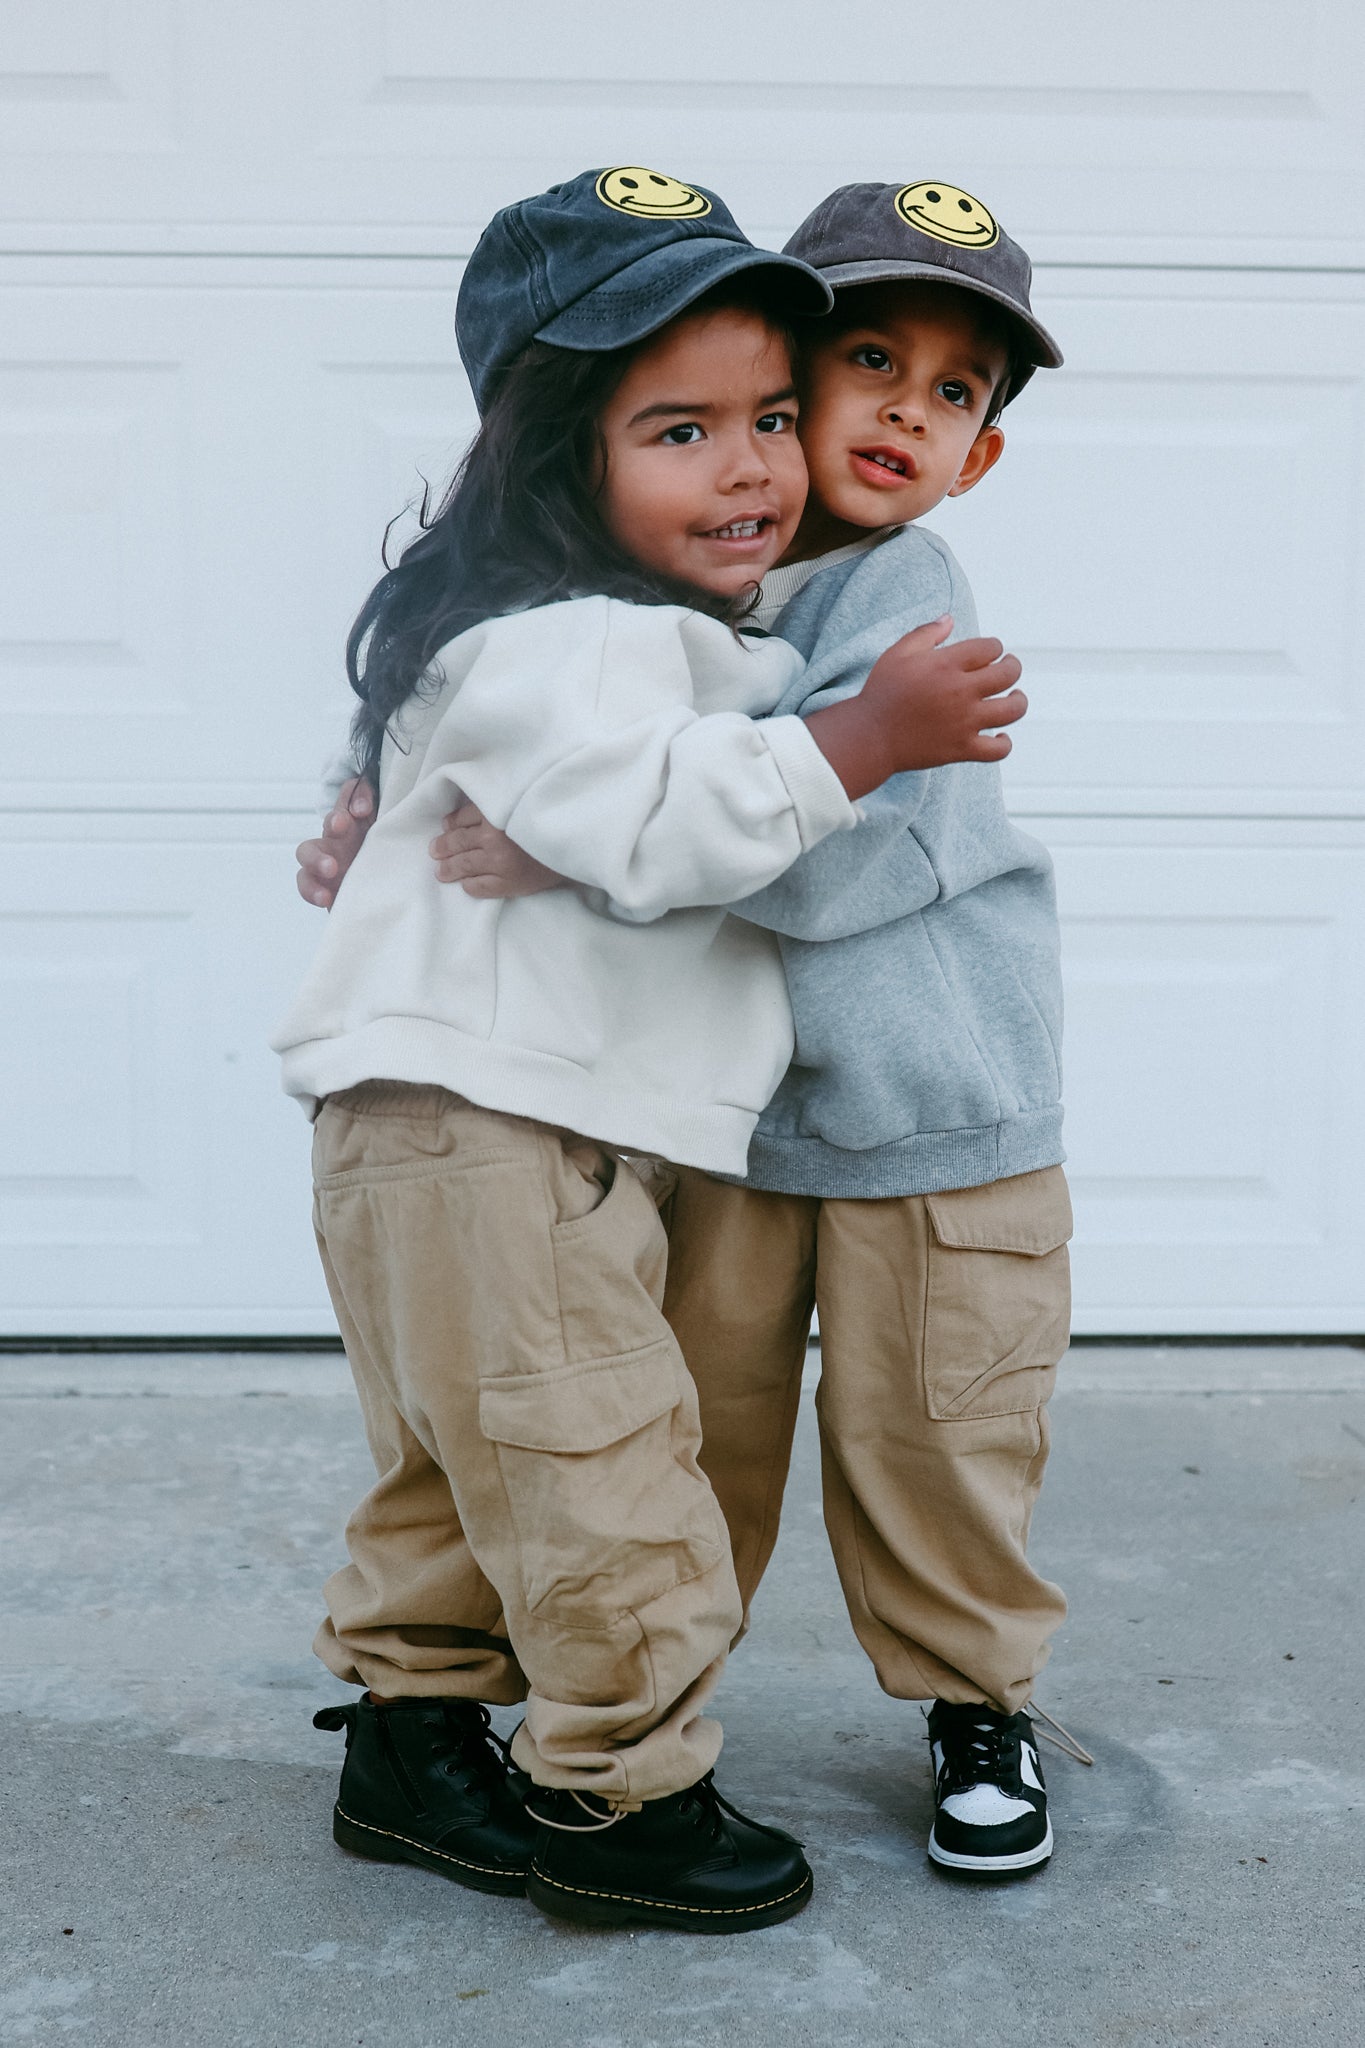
(520, 1083)
(926, 1164)
(821, 802)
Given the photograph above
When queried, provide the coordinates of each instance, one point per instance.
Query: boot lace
(701, 1801)
(473, 1751)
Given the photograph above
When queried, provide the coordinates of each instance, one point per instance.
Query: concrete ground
(169, 1876)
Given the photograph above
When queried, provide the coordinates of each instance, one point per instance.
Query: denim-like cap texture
(603, 261)
(875, 234)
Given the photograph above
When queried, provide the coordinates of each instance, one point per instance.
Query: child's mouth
(741, 529)
(885, 466)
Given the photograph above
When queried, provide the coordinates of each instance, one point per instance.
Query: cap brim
(650, 292)
(1046, 354)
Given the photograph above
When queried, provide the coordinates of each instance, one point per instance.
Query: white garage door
(230, 243)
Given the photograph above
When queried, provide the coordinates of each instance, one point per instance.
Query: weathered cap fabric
(603, 261)
(872, 234)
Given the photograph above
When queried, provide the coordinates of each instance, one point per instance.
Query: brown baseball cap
(873, 234)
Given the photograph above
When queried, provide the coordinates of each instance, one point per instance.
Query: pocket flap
(583, 1409)
(1029, 1213)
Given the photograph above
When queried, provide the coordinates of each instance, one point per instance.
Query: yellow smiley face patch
(948, 214)
(649, 195)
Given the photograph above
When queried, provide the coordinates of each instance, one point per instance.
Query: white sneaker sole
(1025, 1860)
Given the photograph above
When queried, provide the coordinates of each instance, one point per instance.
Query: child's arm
(668, 806)
(586, 731)
(954, 691)
(880, 872)
(592, 735)
(570, 717)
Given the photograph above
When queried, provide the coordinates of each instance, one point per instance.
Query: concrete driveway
(169, 1876)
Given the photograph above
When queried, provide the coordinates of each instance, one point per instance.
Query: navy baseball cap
(603, 261)
(874, 234)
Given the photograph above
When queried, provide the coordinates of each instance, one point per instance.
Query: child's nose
(907, 414)
(749, 464)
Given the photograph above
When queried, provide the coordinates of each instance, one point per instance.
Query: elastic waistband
(395, 1098)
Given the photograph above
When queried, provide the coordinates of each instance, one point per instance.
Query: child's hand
(323, 862)
(939, 700)
(485, 862)
(922, 706)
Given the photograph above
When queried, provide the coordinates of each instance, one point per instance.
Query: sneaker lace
(977, 1753)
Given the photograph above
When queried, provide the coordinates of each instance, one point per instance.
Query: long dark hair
(518, 526)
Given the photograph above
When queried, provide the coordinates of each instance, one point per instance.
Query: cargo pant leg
(739, 1296)
(942, 1320)
(506, 1281)
(411, 1613)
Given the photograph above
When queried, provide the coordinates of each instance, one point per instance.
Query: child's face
(893, 408)
(705, 479)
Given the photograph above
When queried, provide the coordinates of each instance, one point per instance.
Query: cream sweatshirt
(629, 747)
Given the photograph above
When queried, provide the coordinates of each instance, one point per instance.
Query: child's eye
(681, 437)
(956, 392)
(872, 358)
(775, 423)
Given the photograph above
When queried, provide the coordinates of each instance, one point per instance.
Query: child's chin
(734, 582)
(872, 507)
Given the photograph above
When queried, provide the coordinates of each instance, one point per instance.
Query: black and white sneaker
(989, 1798)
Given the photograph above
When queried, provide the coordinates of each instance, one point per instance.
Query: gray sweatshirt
(921, 948)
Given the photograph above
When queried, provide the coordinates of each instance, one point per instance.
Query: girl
(558, 648)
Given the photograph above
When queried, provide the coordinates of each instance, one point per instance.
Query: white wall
(229, 245)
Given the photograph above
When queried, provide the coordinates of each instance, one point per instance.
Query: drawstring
(569, 1828)
(1068, 1745)
(702, 1797)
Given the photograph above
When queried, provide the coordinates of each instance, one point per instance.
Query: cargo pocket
(608, 1506)
(998, 1297)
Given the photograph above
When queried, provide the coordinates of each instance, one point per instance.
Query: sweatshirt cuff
(821, 802)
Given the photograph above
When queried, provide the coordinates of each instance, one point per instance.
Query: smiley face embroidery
(649, 195)
(948, 214)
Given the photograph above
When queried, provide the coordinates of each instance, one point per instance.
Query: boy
(906, 1178)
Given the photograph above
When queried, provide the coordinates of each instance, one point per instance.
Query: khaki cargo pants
(540, 1525)
(942, 1318)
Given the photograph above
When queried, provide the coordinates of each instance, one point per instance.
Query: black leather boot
(426, 1781)
(689, 1861)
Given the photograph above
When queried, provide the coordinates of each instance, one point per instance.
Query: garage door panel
(228, 361)
(1176, 553)
(399, 428)
(1162, 133)
(192, 520)
(152, 1177)
(91, 455)
(78, 1026)
(1212, 1110)
(156, 1181)
(87, 80)
(1173, 544)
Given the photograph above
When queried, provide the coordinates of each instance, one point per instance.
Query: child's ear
(986, 450)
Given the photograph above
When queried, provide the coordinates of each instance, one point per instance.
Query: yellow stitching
(488, 1869)
(664, 1905)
